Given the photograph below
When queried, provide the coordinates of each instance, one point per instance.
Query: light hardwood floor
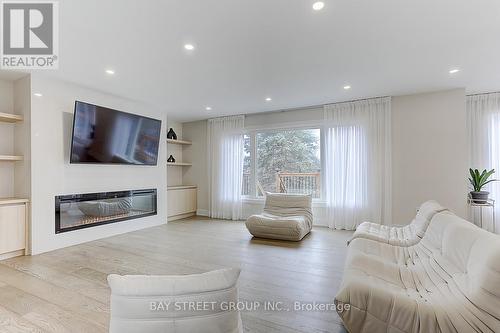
(66, 290)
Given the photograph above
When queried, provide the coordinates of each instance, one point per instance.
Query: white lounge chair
(285, 216)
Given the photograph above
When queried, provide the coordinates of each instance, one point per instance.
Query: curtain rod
(310, 106)
(357, 100)
(307, 107)
(488, 93)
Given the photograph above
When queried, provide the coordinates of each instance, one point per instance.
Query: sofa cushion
(141, 303)
(285, 200)
(277, 227)
(400, 235)
(424, 215)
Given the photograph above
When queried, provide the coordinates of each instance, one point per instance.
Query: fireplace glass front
(77, 211)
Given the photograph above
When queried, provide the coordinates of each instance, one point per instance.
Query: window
(247, 166)
(283, 161)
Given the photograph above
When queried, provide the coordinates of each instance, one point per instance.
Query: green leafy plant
(479, 180)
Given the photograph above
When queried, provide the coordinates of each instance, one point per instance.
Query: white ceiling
(247, 50)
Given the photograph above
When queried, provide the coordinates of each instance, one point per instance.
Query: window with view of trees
(283, 161)
(247, 166)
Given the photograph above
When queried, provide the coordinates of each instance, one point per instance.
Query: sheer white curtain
(225, 166)
(357, 162)
(483, 115)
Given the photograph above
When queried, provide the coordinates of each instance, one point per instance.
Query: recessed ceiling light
(454, 70)
(268, 99)
(347, 87)
(110, 71)
(208, 108)
(38, 94)
(189, 47)
(318, 5)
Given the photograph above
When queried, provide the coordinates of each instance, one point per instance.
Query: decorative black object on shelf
(171, 134)
(171, 159)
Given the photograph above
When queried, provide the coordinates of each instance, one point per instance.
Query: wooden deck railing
(290, 182)
(298, 182)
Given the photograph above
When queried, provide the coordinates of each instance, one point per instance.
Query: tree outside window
(286, 161)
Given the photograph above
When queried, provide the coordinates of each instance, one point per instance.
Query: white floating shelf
(180, 187)
(11, 158)
(179, 142)
(178, 164)
(10, 118)
(12, 201)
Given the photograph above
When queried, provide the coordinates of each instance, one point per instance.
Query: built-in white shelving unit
(13, 211)
(183, 143)
(10, 118)
(181, 199)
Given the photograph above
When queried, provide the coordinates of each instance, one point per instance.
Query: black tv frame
(109, 163)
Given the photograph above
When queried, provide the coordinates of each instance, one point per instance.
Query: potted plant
(478, 181)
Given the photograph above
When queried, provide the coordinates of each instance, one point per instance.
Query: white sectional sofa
(401, 235)
(449, 281)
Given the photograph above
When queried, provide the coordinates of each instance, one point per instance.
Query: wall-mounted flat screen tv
(107, 136)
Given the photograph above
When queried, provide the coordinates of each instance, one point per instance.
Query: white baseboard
(202, 212)
(12, 254)
(180, 216)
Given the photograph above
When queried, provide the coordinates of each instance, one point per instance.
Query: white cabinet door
(181, 201)
(173, 202)
(12, 228)
(190, 200)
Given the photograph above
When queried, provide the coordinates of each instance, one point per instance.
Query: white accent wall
(429, 152)
(429, 160)
(52, 174)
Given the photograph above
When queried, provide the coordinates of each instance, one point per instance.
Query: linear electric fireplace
(78, 211)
